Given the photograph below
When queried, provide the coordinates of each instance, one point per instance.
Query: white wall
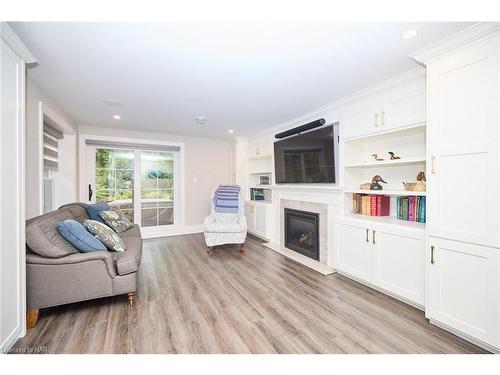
(207, 164)
(66, 178)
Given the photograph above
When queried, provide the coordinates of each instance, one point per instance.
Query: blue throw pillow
(94, 209)
(76, 234)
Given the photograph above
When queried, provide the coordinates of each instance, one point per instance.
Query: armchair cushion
(116, 220)
(94, 209)
(79, 237)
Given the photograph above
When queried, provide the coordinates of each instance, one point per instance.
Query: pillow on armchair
(94, 209)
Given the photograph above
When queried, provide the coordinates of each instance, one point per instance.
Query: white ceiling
(246, 77)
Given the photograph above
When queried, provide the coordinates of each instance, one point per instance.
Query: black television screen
(306, 158)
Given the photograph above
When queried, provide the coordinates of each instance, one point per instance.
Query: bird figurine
(416, 186)
(375, 185)
(375, 157)
(393, 157)
(420, 186)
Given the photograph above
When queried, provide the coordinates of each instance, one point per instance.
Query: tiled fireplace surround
(325, 202)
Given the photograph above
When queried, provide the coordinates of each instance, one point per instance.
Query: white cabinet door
(463, 288)
(361, 118)
(354, 249)
(260, 220)
(403, 105)
(399, 262)
(250, 215)
(463, 176)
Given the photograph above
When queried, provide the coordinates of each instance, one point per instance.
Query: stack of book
(373, 205)
(411, 208)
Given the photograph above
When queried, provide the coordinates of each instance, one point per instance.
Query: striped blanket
(226, 199)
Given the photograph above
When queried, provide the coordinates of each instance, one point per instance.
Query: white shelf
(264, 172)
(391, 220)
(386, 192)
(411, 128)
(374, 163)
(260, 157)
(260, 187)
(252, 201)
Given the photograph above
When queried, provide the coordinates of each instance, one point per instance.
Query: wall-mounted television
(307, 157)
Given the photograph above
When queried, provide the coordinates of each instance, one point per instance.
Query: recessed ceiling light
(231, 131)
(117, 117)
(113, 102)
(409, 34)
(200, 120)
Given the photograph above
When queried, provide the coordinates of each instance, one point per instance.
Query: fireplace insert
(302, 232)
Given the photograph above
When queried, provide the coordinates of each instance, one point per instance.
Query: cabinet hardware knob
(376, 120)
(373, 237)
(433, 164)
(432, 254)
(367, 231)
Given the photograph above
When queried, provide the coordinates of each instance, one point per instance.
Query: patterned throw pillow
(116, 221)
(105, 234)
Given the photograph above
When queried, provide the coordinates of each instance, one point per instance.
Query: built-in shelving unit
(360, 166)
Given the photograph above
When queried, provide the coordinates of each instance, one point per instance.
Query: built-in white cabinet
(463, 183)
(400, 106)
(463, 145)
(388, 257)
(259, 218)
(464, 287)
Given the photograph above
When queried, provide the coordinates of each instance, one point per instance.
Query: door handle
(382, 119)
(433, 164)
(432, 254)
(373, 237)
(376, 120)
(367, 230)
(90, 192)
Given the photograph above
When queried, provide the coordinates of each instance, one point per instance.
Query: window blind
(51, 139)
(145, 147)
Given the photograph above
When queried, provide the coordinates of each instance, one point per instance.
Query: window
(157, 188)
(142, 182)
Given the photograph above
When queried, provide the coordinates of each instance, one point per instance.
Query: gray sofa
(58, 274)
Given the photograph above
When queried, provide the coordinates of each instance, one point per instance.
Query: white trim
(455, 41)
(83, 172)
(392, 82)
(17, 45)
(170, 230)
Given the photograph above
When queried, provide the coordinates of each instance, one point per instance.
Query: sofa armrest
(129, 261)
(105, 256)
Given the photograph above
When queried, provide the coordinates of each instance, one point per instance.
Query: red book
(411, 208)
(373, 205)
(383, 205)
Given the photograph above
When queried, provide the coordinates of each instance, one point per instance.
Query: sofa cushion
(116, 220)
(94, 209)
(43, 238)
(105, 234)
(79, 237)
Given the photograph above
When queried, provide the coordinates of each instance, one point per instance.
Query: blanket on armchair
(226, 199)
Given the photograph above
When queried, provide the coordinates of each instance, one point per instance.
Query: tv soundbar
(300, 129)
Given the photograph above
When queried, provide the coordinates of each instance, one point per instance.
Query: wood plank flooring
(256, 302)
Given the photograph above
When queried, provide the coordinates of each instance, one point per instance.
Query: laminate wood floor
(256, 302)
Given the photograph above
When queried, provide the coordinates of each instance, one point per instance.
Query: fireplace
(302, 232)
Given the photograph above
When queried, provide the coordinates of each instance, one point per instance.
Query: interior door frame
(85, 160)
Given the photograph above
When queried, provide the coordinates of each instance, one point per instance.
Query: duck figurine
(375, 157)
(375, 185)
(393, 157)
(416, 186)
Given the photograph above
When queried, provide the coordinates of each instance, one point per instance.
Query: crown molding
(10, 37)
(397, 80)
(469, 35)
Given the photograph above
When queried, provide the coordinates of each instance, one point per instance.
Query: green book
(405, 209)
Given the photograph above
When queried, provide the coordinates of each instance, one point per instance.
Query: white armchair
(223, 228)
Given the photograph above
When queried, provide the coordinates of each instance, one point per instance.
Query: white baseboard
(11, 340)
(170, 230)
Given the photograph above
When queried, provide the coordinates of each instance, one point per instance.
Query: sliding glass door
(157, 188)
(142, 183)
